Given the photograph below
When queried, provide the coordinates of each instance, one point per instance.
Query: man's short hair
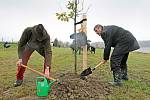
(40, 26)
(97, 26)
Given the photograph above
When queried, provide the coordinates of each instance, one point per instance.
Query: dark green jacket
(40, 43)
(122, 41)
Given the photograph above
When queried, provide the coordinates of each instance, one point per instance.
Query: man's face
(98, 30)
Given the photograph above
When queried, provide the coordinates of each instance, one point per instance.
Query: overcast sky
(16, 15)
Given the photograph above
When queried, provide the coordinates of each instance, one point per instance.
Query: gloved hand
(47, 71)
(19, 62)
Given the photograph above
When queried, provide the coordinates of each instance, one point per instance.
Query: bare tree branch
(81, 8)
(86, 11)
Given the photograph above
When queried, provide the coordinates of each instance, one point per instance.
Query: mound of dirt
(72, 87)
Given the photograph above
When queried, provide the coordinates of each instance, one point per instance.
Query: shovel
(57, 87)
(41, 74)
(89, 70)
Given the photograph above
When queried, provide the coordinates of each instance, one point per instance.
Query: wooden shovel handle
(98, 65)
(37, 72)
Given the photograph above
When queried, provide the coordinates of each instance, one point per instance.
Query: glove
(19, 62)
(47, 71)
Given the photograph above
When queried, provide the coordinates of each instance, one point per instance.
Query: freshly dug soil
(72, 87)
(69, 87)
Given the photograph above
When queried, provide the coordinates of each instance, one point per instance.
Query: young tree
(72, 13)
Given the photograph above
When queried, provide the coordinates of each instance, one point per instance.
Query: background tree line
(58, 43)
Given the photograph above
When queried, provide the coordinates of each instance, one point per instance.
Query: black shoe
(18, 83)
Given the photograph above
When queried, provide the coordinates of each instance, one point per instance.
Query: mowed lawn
(137, 88)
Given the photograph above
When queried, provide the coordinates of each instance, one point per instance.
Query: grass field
(137, 88)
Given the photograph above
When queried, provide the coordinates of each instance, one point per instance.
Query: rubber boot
(117, 78)
(124, 73)
(18, 83)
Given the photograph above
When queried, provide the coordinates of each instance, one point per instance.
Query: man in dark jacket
(123, 42)
(33, 38)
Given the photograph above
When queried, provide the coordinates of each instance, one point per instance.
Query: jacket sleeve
(107, 48)
(48, 52)
(23, 41)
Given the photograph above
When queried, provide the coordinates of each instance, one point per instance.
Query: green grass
(137, 88)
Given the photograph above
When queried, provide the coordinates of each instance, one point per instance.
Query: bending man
(33, 38)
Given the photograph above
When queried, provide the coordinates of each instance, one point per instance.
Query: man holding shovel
(33, 38)
(123, 42)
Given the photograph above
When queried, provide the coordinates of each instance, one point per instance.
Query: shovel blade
(86, 72)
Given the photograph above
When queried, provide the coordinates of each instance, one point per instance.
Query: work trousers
(118, 62)
(25, 57)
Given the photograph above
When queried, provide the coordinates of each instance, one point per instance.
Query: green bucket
(42, 86)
